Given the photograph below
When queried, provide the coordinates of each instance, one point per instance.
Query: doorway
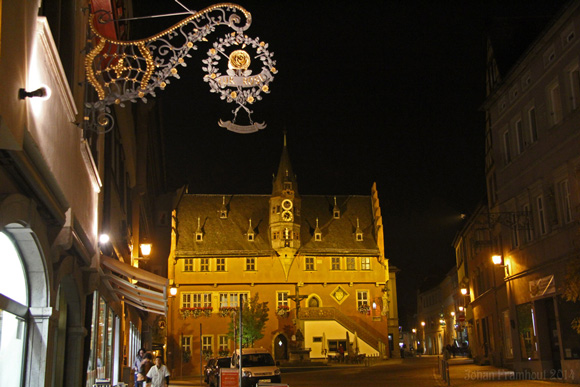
(281, 347)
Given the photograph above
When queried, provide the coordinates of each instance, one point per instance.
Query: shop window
(568, 311)
(527, 331)
(13, 286)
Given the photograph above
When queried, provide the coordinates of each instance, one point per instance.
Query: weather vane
(121, 71)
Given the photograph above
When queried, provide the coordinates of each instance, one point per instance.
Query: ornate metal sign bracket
(122, 71)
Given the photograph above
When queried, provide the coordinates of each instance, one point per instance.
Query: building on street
(318, 261)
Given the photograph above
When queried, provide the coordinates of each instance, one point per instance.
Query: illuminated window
(365, 263)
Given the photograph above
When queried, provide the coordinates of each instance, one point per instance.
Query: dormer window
(335, 210)
(250, 232)
(223, 209)
(198, 232)
(317, 232)
(358, 232)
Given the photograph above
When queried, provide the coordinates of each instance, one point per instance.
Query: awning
(119, 275)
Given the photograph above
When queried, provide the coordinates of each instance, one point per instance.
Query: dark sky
(382, 91)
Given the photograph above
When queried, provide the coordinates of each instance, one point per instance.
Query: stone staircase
(366, 334)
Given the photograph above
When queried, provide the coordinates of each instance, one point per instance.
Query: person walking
(137, 365)
(146, 365)
(158, 375)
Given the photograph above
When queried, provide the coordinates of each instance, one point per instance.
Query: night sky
(382, 91)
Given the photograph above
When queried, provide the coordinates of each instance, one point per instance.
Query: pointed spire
(285, 179)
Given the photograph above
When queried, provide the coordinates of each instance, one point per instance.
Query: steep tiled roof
(228, 237)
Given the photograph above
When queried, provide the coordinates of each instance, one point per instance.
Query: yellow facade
(328, 249)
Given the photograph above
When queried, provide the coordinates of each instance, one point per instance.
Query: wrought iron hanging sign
(123, 71)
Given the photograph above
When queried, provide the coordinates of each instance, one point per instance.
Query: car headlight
(247, 374)
(277, 371)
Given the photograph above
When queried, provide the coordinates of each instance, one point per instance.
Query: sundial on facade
(238, 68)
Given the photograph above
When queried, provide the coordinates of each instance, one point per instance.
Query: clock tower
(284, 211)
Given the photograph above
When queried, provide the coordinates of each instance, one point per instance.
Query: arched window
(13, 311)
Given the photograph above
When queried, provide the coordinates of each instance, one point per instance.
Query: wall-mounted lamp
(414, 330)
(464, 291)
(42, 92)
(145, 249)
(374, 305)
(422, 323)
(104, 239)
(173, 290)
(452, 313)
(460, 308)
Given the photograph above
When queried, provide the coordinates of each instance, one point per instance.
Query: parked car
(214, 372)
(257, 366)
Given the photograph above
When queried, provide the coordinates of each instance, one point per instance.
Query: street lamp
(464, 291)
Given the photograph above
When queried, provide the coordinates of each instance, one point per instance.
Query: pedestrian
(146, 364)
(341, 353)
(137, 365)
(158, 375)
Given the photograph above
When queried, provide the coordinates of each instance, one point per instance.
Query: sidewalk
(463, 372)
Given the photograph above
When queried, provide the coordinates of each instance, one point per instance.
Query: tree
(254, 317)
(571, 290)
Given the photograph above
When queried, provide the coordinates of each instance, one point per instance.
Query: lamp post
(498, 261)
(423, 338)
(169, 340)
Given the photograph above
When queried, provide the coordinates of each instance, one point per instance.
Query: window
(564, 194)
(186, 300)
(220, 264)
(317, 236)
(529, 234)
(527, 331)
(204, 264)
(198, 237)
(335, 263)
(541, 214)
(519, 136)
(574, 88)
(555, 104)
(186, 344)
(515, 234)
(188, 264)
(350, 263)
(250, 264)
(362, 298)
(365, 263)
(281, 298)
(207, 343)
(223, 343)
(275, 235)
(506, 147)
(309, 263)
(533, 125)
(231, 299)
(195, 300)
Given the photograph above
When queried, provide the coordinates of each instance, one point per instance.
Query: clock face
(287, 204)
(287, 216)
